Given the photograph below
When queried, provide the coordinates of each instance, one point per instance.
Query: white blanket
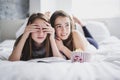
(96, 70)
(105, 65)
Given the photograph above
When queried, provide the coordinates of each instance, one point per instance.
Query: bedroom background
(104, 65)
(14, 12)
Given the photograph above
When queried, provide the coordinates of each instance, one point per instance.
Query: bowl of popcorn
(80, 56)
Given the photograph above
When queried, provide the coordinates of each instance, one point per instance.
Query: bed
(105, 64)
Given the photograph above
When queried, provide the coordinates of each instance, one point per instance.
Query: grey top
(38, 52)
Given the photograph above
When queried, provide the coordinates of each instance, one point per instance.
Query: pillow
(6, 48)
(21, 29)
(98, 30)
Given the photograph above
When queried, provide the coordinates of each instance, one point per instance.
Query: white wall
(114, 26)
(82, 8)
(96, 8)
(0, 34)
(53, 5)
(64, 5)
(48, 5)
(34, 6)
(112, 19)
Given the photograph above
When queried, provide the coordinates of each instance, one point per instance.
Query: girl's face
(62, 27)
(39, 36)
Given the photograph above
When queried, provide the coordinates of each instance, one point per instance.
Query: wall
(114, 26)
(96, 8)
(8, 28)
(53, 5)
(13, 9)
(0, 34)
(64, 5)
(34, 6)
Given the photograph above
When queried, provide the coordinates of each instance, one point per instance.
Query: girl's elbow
(13, 59)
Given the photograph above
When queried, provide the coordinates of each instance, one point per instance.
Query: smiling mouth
(64, 34)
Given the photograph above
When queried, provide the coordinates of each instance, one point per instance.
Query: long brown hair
(27, 49)
(69, 41)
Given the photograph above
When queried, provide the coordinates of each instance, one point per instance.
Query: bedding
(6, 48)
(98, 30)
(21, 29)
(105, 65)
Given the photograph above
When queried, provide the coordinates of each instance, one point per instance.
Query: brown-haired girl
(67, 39)
(37, 41)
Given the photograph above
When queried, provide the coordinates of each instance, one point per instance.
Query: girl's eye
(58, 26)
(67, 25)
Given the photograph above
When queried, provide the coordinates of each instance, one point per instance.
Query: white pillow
(21, 29)
(6, 48)
(98, 30)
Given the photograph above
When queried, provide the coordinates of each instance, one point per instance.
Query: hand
(48, 29)
(59, 43)
(76, 20)
(30, 28)
(48, 14)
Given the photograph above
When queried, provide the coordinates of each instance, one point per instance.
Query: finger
(45, 27)
(47, 31)
(57, 38)
(47, 24)
(35, 26)
(33, 30)
(30, 27)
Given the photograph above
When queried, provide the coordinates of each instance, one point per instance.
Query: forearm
(56, 52)
(16, 53)
(66, 52)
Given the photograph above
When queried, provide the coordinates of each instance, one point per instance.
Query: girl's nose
(41, 32)
(63, 28)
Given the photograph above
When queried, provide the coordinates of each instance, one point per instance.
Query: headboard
(8, 28)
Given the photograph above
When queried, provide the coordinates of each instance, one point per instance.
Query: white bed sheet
(59, 71)
(105, 66)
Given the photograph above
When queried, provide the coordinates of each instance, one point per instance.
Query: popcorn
(78, 50)
(80, 56)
